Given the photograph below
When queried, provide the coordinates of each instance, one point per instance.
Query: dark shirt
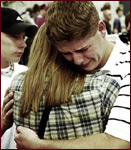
(117, 25)
(108, 27)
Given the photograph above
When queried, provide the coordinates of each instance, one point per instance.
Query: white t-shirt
(7, 140)
(118, 65)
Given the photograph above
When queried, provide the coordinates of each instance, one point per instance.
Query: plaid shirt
(87, 113)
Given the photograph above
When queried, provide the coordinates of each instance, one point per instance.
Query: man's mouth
(19, 54)
(86, 65)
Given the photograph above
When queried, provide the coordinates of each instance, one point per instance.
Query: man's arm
(118, 124)
(98, 141)
(6, 112)
(27, 139)
(23, 136)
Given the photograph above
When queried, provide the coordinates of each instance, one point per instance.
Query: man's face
(88, 53)
(108, 14)
(12, 46)
(120, 13)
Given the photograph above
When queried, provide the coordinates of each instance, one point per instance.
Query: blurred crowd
(36, 15)
(119, 22)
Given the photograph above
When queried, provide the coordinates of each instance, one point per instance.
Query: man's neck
(108, 50)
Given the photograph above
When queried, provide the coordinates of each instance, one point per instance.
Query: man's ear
(102, 28)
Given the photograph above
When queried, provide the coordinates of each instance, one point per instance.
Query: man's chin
(89, 69)
(16, 60)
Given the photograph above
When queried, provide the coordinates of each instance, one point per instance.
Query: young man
(13, 32)
(125, 36)
(72, 44)
(119, 22)
(107, 17)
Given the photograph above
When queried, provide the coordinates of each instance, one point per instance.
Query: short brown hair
(120, 8)
(107, 6)
(71, 20)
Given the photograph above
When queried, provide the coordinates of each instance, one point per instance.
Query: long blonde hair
(49, 74)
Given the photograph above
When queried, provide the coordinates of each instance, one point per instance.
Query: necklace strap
(8, 72)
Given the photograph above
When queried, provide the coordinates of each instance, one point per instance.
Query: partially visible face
(120, 13)
(128, 27)
(12, 46)
(88, 53)
(108, 14)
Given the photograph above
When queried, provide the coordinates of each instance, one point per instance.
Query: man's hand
(7, 112)
(26, 138)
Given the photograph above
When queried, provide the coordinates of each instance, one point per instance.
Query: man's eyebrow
(82, 49)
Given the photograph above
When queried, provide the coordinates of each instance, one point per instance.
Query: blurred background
(22, 5)
(31, 8)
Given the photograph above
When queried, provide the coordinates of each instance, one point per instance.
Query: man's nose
(22, 45)
(78, 58)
